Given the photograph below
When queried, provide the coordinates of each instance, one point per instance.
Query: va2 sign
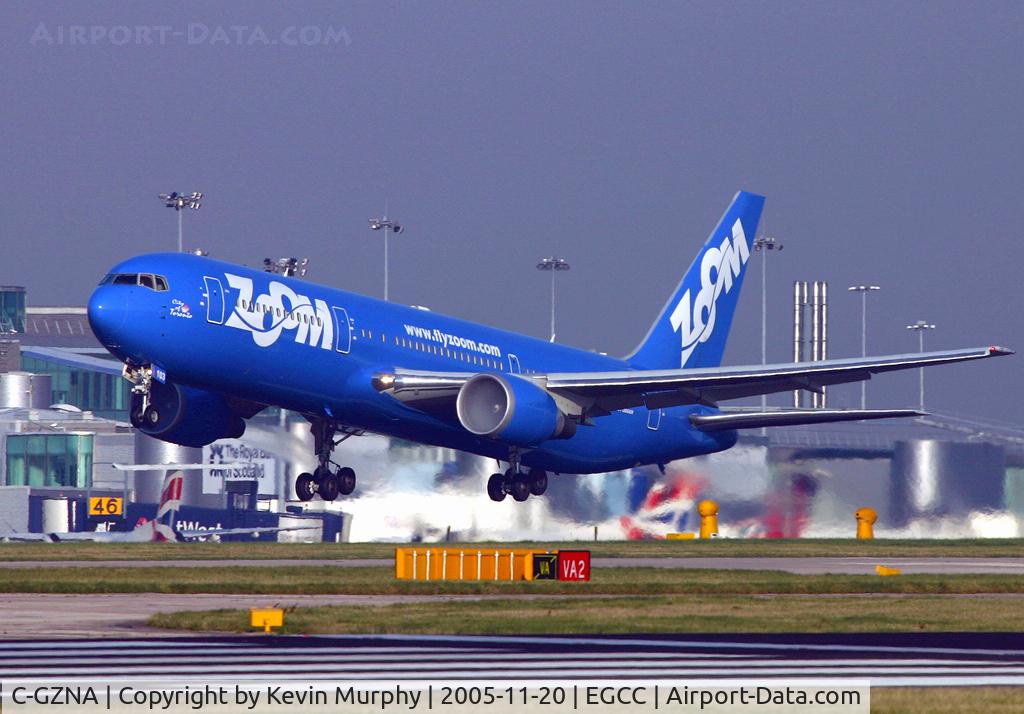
(574, 565)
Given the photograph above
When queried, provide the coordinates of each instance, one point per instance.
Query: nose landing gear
(141, 409)
(327, 481)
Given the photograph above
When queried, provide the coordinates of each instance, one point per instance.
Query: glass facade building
(49, 460)
(105, 395)
(12, 309)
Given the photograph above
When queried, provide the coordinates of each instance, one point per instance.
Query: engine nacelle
(186, 416)
(511, 409)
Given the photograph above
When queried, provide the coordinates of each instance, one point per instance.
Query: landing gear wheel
(136, 417)
(305, 487)
(151, 416)
(519, 487)
(538, 482)
(329, 487)
(496, 487)
(346, 480)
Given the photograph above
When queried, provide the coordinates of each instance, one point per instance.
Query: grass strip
(377, 580)
(660, 614)
(723, 547)
(947, 700)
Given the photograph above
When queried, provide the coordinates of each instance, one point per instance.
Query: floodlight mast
(920, 327)
(765, 245)
(179, 200)
(863, 290)
(553, 265)
(389, 226)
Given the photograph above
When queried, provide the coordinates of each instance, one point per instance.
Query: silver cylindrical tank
(148, 484)
(25, 390)
(932, 478)
(56, 515)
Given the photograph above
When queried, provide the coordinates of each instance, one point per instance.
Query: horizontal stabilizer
(793, 417)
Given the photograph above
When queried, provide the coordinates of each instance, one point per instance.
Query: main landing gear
(514, 481)
(327, 481)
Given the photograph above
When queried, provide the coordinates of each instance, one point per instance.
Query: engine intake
(511, 409)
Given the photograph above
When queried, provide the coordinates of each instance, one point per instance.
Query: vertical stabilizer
(692, 328)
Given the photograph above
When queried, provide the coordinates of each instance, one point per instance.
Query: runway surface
(802, 566)
(48, 615)
(887, 660)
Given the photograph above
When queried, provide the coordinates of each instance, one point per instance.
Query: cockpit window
(146, 280)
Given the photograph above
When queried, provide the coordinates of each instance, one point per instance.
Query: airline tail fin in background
(170, 502)
(693, 326)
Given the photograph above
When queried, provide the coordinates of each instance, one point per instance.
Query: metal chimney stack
(815, 296)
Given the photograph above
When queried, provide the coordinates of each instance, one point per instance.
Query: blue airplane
(208, 344)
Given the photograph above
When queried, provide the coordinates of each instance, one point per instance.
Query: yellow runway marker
(266, 618)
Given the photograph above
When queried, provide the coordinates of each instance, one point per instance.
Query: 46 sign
(106, 506)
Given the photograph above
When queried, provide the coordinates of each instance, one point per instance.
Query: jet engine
(186, 416)
(512, 409)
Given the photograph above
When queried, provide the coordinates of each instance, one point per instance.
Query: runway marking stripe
(520, 669)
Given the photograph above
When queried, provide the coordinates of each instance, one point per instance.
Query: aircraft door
(342, 330)
(214, 301)
(513, 364)
(653, 419)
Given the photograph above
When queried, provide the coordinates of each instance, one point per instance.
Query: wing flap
(794, 417)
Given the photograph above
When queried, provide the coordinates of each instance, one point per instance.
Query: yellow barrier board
(465, 563)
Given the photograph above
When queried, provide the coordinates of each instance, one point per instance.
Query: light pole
(920, 326)
(389, 226)
(553, 265)
(180, 201)
(764, 245)
(863, 290)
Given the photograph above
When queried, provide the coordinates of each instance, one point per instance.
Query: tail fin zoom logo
(695, 319)
(281, 308)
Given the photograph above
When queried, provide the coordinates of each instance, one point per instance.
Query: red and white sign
(574, 565)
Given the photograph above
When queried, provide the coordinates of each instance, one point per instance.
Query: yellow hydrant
(866, 518)
(708, 511)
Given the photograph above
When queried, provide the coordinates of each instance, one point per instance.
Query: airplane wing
(25, 537)
(200, 533)
(665, 388)
(599, 393)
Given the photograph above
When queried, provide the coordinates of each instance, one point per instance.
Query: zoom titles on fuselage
(266, 316)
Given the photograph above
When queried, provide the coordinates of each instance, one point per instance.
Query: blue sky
(886, 137)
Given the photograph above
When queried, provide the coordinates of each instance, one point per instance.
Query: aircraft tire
(520, 488)
(538, 482)
(304, 487)
(329, 487)
(151, 416)
(346, 480)
(496, 487)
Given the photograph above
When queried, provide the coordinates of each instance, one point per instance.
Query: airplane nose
(107, 315)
